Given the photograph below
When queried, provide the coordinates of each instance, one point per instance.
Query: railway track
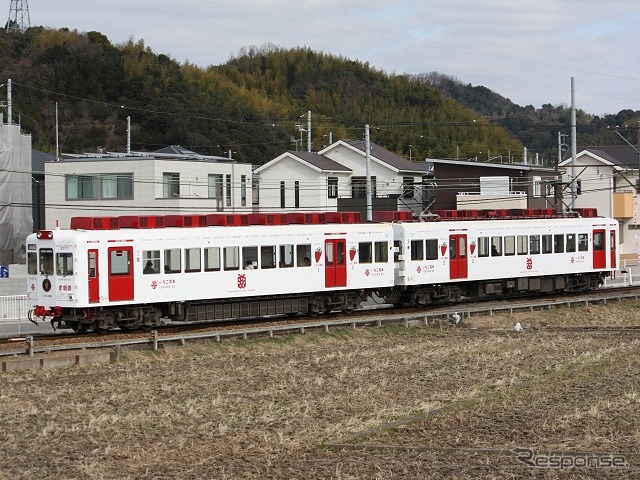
(383, 315)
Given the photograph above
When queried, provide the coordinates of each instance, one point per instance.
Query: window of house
(228, 192)
(359, 187)
(215, 187)
(243, 190)
(171, 185)
(282, 194)
(332, 187)
(296, 194)
(117, 185)
(80, 187)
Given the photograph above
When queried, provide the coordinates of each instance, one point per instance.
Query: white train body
(131, 277)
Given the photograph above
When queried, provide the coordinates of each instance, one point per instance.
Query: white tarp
(16, 221)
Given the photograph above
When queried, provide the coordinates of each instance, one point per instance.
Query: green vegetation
(251, 104)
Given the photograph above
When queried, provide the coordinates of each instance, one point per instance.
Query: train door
(94, 284)
(612, 248)
(458, 256)
(335, 263)
(599, 251)
(120, 273)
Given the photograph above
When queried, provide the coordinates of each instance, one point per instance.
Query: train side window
(432, 248)
(534, 244)
(249, 258)
(193, 260)
(496, 246)
(483, 246)
(286, 256)
(212, 259)
(547, 244)
(64, 264)
(172, 263)
(571, 242)
(231, 258)
(509, 245)
(397, 250)
(523, 245)
(46, 261)
(558, 243)
(303, 255)
(583, 242)
(268, 256)
(151, 261)
(32, 263)
(364, 252)
(417, 250)
(381, 250)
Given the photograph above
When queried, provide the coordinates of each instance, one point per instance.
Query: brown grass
(265, 408)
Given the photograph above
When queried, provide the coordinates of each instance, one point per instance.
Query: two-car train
(99, 279)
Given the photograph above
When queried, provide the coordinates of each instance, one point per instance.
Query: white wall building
(145, 184)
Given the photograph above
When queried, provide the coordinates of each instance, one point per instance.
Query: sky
(525, 50)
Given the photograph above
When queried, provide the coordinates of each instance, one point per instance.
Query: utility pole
(18, 16)
(367, 165)
(573, 144)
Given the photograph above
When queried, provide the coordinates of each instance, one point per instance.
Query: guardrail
(13, 307)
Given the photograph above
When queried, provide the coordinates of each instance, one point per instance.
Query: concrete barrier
(69, 360)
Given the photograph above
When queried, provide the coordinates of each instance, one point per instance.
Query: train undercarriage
(148, 316)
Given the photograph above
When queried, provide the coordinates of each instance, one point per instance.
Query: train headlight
(44, 235)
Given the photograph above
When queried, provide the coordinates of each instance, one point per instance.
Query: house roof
(38, 158)
(314, 160)
(620, 155)
(385, 156)
(320, 161)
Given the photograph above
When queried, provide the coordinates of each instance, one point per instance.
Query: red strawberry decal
(443, 248)
(472, 247)
(352, 253)
(318, 254)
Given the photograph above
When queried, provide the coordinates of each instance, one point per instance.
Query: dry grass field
(383, 403)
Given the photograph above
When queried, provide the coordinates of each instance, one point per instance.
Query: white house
(606, 179)
(140, 183)
(325, 180)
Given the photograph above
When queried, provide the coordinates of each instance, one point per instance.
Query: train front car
(445, 261)
(53, 270)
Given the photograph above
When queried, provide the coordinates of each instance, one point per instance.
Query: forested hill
(254, 105)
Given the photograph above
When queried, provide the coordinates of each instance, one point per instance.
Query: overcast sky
(525, 50)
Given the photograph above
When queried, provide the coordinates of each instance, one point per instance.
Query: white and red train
(129, 272)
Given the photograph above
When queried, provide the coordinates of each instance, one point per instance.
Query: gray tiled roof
(390, 158)
(38, 158)
(621, 155)
(319, 161)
